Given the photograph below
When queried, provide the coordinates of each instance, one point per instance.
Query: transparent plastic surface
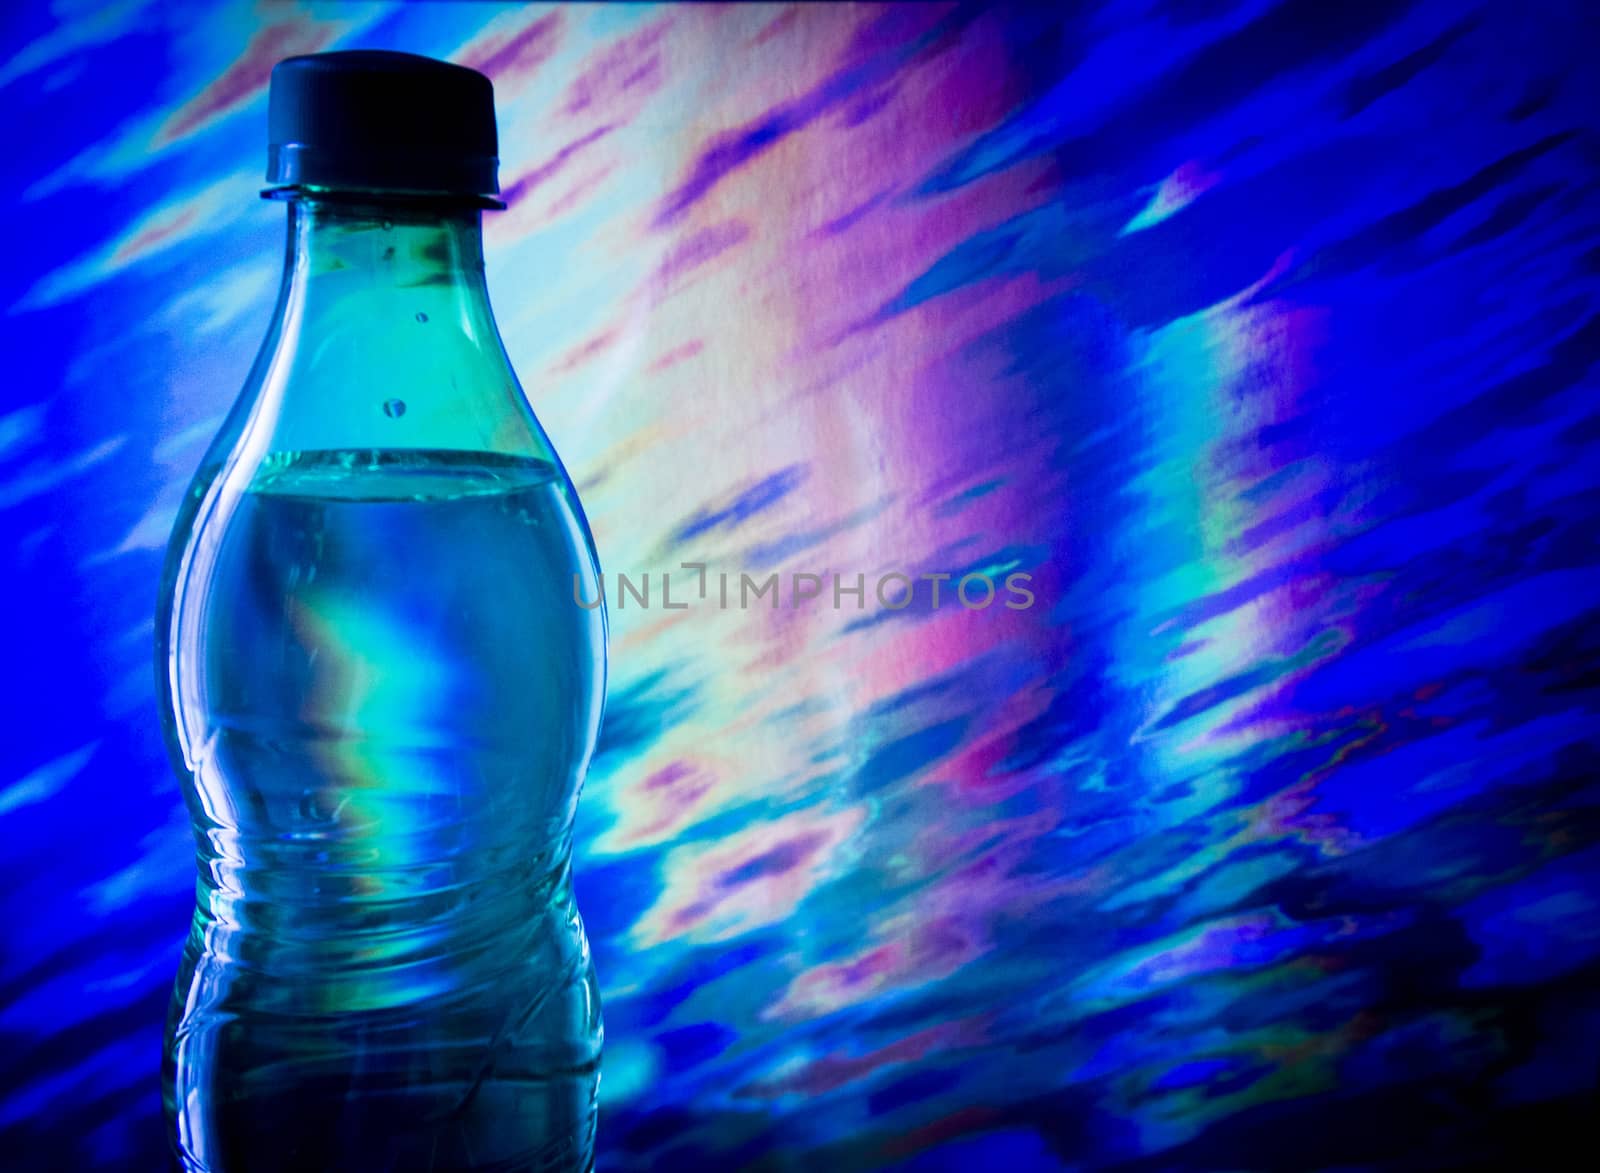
(382, 696)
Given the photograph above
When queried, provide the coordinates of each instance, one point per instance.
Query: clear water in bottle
(385, 711)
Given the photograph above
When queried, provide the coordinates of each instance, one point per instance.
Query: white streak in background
(139, 635)
(177, 446)
(84, 163)
(224, 299)
(39, 477)
(194, 38)
(64, 76)
(89, 363)
(114, 1065)
(20, 428)
(1174, 193)
(29, 546)
(611, 377)
(46, 780)
(134, 691)
(166, 861)
(148, 533)
(82, 23)
(152, 529)
(182, 219)
(154, 969)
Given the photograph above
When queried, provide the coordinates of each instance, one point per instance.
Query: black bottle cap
(373, 120)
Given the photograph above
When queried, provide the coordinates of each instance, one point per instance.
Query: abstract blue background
(1261, 335)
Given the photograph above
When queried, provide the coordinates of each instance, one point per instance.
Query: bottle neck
(391, 261)
(384, 336)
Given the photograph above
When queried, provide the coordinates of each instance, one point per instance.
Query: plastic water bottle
(379, 690)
